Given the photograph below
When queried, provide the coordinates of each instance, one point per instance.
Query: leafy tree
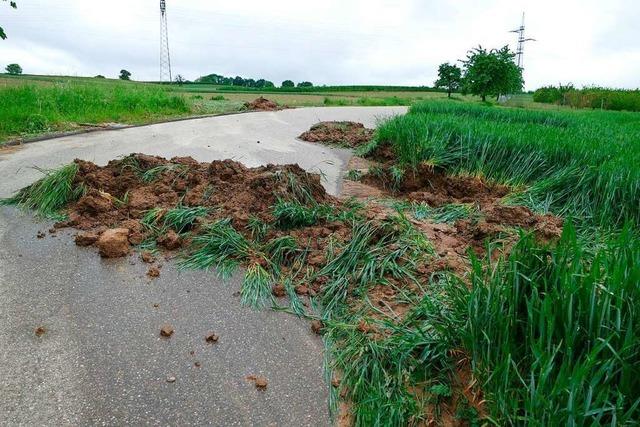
(305, 84)
(125, 75)
(3, 35)
(491, 72)
(268, 83)
(288, 83)
(179, 79)
(449, 77)
(99, 76)
(14, 69)
(249, 83)
(238, 81)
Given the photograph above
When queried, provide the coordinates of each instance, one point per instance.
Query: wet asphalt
(101, 360)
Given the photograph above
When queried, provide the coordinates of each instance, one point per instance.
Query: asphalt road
(101, 360)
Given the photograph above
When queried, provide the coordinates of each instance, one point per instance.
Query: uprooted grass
(50, 194)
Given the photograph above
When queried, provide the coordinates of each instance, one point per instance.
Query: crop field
(491, 274)
(34, 105)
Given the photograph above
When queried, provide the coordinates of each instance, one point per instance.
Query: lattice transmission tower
(165, 58)
(521, 41)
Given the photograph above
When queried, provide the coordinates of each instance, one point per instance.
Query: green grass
(553, 332)
(34, 109)
(581, 164)
(50, 194)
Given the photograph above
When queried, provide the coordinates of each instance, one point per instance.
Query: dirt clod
(211, 338)
(40, 234)
(317, 326)
(40, 331)
(351, 134)
(259, 381)
(147, 257)
(153, 271)
(171, 240)
(261, 104)
(278, 291)
(86, 238)
(114, 243)
(166, 331)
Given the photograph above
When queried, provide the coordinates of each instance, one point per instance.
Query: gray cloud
(329, 42)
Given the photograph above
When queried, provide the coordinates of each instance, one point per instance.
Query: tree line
(217, 79)
(484, 73)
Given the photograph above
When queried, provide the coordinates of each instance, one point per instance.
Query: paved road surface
(101, 361)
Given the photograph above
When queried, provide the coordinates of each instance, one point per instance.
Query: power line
(165, 58)
(521, 41)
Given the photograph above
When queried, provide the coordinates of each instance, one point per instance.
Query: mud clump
(260, 382)
(114, 243)
(120, 194)
(166, 331)
(153, 272)
(86, 238)
(211, 338)
(350, 134)
(261, 104)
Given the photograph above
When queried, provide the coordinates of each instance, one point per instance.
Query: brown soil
(153, 272)
(260, 382)
(235, 191)
(166, 331)
(211, 338)
(350, 134)
(261, 104)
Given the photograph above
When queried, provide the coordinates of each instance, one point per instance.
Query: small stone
(40, 235)
(197, 364)
(40, 331)
(211, 338)
(166, 331)
(156, 305)
(171, 379)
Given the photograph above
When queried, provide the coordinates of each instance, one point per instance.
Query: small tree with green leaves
(288, 83)
(449, 77)
(3, 35)
(125, 75)
(491, 73)
(305, 84)
(14, 69)
(179, 79)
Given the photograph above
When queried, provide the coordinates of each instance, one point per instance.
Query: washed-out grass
(48, 195)
(582, 165)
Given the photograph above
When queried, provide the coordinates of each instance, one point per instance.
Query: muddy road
(100, 358)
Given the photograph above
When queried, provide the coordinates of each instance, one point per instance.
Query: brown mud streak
(262, 104)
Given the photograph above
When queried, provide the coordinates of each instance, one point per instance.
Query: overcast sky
(398, 42)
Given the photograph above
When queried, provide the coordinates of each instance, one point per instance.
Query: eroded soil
(262, 104)
(349, 134)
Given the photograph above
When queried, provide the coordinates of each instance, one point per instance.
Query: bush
(590, 97)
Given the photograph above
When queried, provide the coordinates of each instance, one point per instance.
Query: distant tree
(267, 83)
(99, 76)
(249, 83)
(305, 84)
(125, 75)
(238, 81)
(14, 69)
(491, 72)
(288, 83)
(179, 79)
(3, 35)
(449, 77)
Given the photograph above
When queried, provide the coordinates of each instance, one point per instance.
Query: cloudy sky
(328, 42)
